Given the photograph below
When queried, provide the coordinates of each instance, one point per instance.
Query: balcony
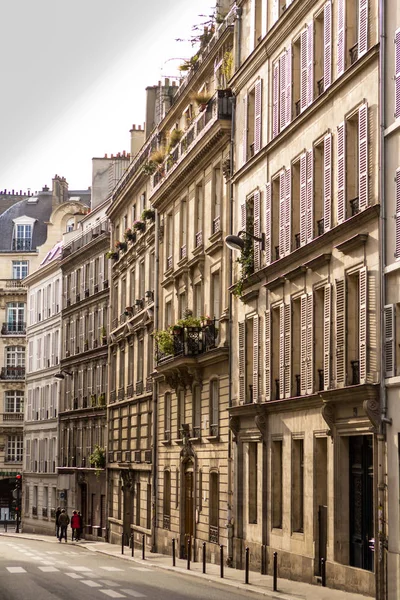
(191, 341)
(12, 417)
(12, 373)
(23, 245)
(83, 239)
(12, 284)
(216, 225)
(213, 534)
(13, 328)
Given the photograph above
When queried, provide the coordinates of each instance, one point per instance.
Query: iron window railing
(191, 341)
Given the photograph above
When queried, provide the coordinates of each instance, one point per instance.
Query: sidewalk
(260, 584)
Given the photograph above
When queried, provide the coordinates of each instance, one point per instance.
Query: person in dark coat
(58, 513)
(63, 521)
(75, 526)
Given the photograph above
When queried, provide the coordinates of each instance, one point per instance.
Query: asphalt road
(36, 570)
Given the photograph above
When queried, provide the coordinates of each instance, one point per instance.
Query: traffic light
(18, 482)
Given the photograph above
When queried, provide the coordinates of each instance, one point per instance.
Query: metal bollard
(246, 569)
(122, 544)
(275, 578)
(132, 545)
(204, 557)
(143, 546)
(173, 552)
(5, 526)
(323, 572)
(189, 551)
(221, 561)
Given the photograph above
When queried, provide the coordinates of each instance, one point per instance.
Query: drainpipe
(155, 392)
(238, 34)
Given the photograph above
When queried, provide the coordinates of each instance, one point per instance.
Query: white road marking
(61, 562)
(79, 568)
(133, 593)
(16, 569)
(109, 583)
(49, 569)
(74, 575)
(90, 583)
(112, 594)
(111, 569)
(141, 569)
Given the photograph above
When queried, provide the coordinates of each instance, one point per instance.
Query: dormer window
(22, 234)
(70, 225)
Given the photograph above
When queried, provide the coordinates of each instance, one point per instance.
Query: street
(36, 570)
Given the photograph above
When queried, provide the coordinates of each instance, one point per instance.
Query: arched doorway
(187, 506)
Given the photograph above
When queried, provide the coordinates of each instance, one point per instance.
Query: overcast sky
(73, 78)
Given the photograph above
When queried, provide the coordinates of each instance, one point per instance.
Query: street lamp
(235, 242)
(62, 374)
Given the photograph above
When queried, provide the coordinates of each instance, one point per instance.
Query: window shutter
(390, 345)
(341, 174)
(363, 156)
(310, 63)
(310, 195)
(397, 252)
(245, 125)
(303, 70)
(327, 336)
(341, 37)
(327, 182)
(303, 199)
(256, 349)
(275, 11)
(363, 324)
(288, 86)
(268, 223)
(257, 230)
(242, 361)
(340, 332)
(257, 115)
(327, 44)
(310, 343)
(397, 73)
(281, 351)
(303, 345)
(282, 91)
(282, 214)
(288, 212)
(275, 100)
(362, 27)
(288, 350)
(267, 341)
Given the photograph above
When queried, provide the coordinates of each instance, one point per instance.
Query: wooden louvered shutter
(362, 27)
(242, 362)
(268, 224)
(288, 86)
(282, 214)
(267, 341)
(303, 345)
(310, 195)
(282, 91)
(243, 216)
(275, 100)
(275, 11)
(257, 115)
(303, 70)
(363, 156)
(397, 223)
(288, 211)
(327, 336)
(397, 74)
(327, 189)
(327, 44)
(282, 351)
(341, 33)
(341, 173)
(288, 349)
(310, 343)
(363, 324)
(257, 230)
(245, 126)
(303, 199)
(310, 63)
(340, 332)
(390, 345)
(256, 349)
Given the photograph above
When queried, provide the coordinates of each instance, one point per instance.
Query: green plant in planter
(148, 214)
(130, 235)
(102, 400)
(246, 261)
(139, 225)
(201, 99)
(121, 246)
(175, 137)
(227, 65)
(98, 459)
(164, 341)
(158, 156)
(188, 321)
(112, 255)
(149, 168)
(93, 400)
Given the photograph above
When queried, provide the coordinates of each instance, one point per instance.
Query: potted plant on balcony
(164, 341)
(201, 99)
(149, 168)
(93, 400)
(128, 311)
(123, 246)
(246, 261)
(158, 157)
(102, 400)
(175, 137)
(148, 214)
(139, 225)
(130, 235)
(112, 255)
(206, 320)
(103, 336)
(98, 459)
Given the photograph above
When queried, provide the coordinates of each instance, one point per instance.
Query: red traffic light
(18, 477)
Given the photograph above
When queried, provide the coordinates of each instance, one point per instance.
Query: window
(249, 360)
(199, 215)
(180, 418)
(167, 417)
(215, 295)
(70, 225)
(214, 508)
(252, 482)
(397, 74)
(15, 317)
(19, 269)
(182, 304)
(14, 402)
(183, 240)
(214, 408)
(170, 242)
(217, 197)
(168, 314)
(167, 500)
(15, 356)
(298, 485)
(252, 121)
(198, 300)
(138, 502)
(14, 448)
(196, 411)
(352, 32)
(22, 239)
(282, 90)
(277, 483)
(322, 75)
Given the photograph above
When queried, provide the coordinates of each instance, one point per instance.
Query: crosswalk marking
(133, 593)
(49, 569)
(112, 594)
(79, 568)
(90, 583)
(111, 569)
(142, 569)
(109, 583)
(74, 575)
(16, 569)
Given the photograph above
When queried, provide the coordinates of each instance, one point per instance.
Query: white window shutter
(275, 11)
(242, 362)
(310, 343)
(303, 344)
(282, 91)
(362, 27)
(340, 332)
(363, 326)
(245, 126)
(282, 351)
(275, 99)
(310, 63)
(363, 156)
(288, 349)
(397, 225)
(257, 230)
(341, 173)
(288, 211)
(327, 335)
(397, 74)
(282, 220)
(327, 184)
(327, 44)
(303, 69)
(267, 350)
(310, 195)
(390, 340)
(258, 116)
(288, 86)
(341, 37)
(243, 216)
(268, 224)
(256, 350)
(303, 199)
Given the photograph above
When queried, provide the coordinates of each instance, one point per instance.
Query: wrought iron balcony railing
(191, 341)
(12, 373)
(14, 328)
(213, 534)
(13, 416)
(22, 245)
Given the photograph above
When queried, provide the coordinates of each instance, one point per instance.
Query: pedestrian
(80, 531)
(63, 521)
(58, 513)
(75, 526)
